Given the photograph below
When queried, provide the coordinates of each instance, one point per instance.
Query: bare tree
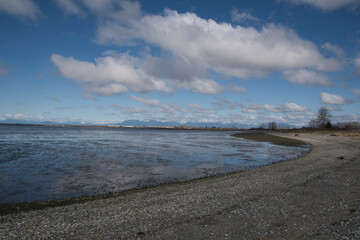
(272, 125)
(313, 123)
(323, 117)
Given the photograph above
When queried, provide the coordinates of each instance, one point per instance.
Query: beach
(314, 197)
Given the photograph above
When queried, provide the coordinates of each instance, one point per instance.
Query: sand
(313, 197)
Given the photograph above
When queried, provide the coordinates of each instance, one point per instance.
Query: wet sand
(313, 197)
(278, 140)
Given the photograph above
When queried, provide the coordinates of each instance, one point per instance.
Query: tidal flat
(312, 197)
(41, 163)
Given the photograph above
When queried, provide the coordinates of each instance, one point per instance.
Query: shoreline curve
(307, 197)
(12, 208)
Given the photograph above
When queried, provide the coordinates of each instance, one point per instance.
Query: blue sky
(249, 62)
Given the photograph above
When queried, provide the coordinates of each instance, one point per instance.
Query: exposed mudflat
(313, 197)
(278, 140)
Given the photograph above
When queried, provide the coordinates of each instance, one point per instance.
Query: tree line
(323, 120)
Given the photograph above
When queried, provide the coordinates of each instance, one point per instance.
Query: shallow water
(44, 163)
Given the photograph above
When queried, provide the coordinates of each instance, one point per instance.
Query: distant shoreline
(127, 127)
(333, 131)
(262, 137)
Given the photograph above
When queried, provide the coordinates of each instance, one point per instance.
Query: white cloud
(238, 17)
(24, 9)
(3, 70)
(337, 50)
(350, 117)
(147, 101)
(284, 108)
(303, 76)
(70, 7)
(233, 51)
(356, 92)
(24, 118)
(117, 74)
(192, 51)
(203, 86)
(109, 75)
(327, 5)
(291, 107)
(163, 107)
(223, 111)
(196, 108)
(333, 99)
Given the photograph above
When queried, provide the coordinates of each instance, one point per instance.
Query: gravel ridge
(313, 197)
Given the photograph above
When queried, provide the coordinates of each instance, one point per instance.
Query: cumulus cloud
(24, 9)
(191, 51)
(333, 99)
(109, 75)
(3, 70)
(327, 5)
(234, 51)
(70, 7)
(117, 74)
(304, 76)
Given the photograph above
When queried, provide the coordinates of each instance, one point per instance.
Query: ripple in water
(45, 163)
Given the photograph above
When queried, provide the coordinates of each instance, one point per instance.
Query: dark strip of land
(263, 137)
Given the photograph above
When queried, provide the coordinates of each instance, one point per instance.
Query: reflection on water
(43, 163)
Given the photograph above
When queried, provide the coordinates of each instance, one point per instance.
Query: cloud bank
(192, 52)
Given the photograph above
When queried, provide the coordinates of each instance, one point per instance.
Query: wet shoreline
(305, 198)
(277, 140)
(40, 164)
(11, 208)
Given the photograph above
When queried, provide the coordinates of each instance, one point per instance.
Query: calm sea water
(44, 163)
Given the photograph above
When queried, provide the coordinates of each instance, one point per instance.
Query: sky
(246, 62)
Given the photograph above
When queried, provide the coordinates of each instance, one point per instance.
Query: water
(44, 163)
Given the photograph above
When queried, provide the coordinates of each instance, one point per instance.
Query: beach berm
(314, 197)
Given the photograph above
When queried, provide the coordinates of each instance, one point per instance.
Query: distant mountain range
(149, 123)
(152, 123)
(22, 121)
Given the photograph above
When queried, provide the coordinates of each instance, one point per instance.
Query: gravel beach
(313, 197)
